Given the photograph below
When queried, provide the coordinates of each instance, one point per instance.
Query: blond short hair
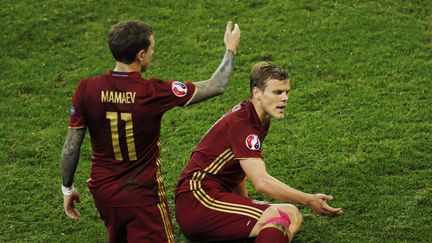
(262, 72)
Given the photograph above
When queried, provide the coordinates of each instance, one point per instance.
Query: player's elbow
(219, 83)
(261, 185)
(220, 90)
(219, 87)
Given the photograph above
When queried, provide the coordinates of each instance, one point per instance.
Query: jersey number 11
(127, 118)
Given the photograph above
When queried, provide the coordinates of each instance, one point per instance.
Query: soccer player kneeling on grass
(212, 203)
(123, 112)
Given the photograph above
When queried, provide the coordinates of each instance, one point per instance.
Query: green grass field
(359, 120)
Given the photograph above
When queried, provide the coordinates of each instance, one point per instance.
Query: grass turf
(358, 122)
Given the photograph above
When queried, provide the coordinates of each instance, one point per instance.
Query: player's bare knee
(273, 211)
(295, 216)
(268, 214)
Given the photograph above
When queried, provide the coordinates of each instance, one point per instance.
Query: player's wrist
(67, 190)
(307, 200)
(231, 50)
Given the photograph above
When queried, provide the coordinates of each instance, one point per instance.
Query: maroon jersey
(123, 113)
(215, 161)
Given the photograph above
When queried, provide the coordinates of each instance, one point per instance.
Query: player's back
(123, 116)
(123, 113)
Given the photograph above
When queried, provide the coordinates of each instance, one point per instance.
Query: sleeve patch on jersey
(179, 88)
(253, 142)
(72, 111)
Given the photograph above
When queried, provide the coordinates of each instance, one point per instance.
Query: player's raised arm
(216, 84)
(69, 162)
(266, 184)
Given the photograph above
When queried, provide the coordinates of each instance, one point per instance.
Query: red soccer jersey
(123, 113)
(215, 161)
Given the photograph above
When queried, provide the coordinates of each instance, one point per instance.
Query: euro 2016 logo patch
(253, 142)
(179, 88)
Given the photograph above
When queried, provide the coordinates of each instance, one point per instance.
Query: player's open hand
(320, 206)
(232, 37)
(69, 205)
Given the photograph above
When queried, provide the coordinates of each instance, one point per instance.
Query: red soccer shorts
(216, 216)
(138, 224)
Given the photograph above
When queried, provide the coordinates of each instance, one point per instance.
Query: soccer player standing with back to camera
(123, 113)
(212, 202)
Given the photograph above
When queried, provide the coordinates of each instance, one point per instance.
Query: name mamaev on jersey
(108, 96)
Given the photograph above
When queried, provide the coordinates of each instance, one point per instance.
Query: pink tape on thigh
(283, 219)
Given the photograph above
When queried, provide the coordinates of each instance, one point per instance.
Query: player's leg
(216, 216)
(294, 214)
(150, 224)
(113, 219)
(280, 221)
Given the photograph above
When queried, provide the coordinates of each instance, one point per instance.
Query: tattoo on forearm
(218, 81)
(70, 154)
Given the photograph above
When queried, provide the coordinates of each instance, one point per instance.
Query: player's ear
(140, 55)
(256, 93)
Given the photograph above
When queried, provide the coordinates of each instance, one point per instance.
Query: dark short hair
(264, 71)
(127, 38)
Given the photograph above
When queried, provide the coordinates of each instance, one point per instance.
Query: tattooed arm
(70, 155)
(69, 163)
(216, 84)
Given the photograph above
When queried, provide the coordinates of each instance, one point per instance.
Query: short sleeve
(77, 117)
(245, 140)
(174, 93)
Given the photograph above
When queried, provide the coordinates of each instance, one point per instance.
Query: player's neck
(122, 67)
(262, 115)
